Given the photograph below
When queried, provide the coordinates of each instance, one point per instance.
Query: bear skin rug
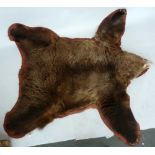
(61, 76)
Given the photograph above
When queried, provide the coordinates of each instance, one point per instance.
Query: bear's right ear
(112, 27)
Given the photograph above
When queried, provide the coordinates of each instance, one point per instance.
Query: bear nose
(17, 31)
(147, 64)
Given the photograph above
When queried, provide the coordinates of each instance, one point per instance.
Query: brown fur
(61, 76)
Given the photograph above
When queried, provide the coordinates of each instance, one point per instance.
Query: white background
(78, 22)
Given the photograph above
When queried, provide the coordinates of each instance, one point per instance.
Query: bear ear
(112, 27)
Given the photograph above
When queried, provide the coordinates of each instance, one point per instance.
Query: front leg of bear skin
(114, 109)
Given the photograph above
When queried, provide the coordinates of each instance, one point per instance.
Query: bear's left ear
(112, 27)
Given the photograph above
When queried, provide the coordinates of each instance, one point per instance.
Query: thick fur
(61, 76)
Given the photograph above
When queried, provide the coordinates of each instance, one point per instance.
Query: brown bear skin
(61, 76)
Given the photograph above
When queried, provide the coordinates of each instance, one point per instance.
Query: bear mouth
(146, 67)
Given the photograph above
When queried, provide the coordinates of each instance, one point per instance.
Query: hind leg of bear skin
(28, 113)
(51, 113)
(38, 35)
